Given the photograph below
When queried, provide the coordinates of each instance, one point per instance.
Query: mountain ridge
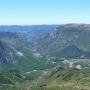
(65, 36)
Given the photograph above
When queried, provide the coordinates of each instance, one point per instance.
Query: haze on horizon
(28, 12)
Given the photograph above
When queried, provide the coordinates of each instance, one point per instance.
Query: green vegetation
(67, 66)
(29, 74)
(63, 79)
(66, 79)
(28, 63)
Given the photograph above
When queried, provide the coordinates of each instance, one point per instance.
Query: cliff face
(7, 54)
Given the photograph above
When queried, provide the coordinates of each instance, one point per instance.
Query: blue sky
(27, 12)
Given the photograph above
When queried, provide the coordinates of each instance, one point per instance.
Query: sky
(32, 12)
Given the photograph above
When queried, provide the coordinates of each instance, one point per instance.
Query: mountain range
(45, 57)
(77, 35)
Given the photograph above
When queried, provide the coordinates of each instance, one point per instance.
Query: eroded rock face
(7, 54)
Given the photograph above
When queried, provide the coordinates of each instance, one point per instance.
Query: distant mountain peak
(77, 26)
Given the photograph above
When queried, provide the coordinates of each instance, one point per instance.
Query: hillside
(64, 79)
(65, 36)
(28, 62)
(72, 52)
(7, 54)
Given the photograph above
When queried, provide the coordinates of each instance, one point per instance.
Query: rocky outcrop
(7, 54)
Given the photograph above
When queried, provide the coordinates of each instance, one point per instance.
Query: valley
(45, 57)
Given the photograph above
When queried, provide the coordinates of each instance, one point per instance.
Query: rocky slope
(11, 38)
(77, 35)
(7, 54)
